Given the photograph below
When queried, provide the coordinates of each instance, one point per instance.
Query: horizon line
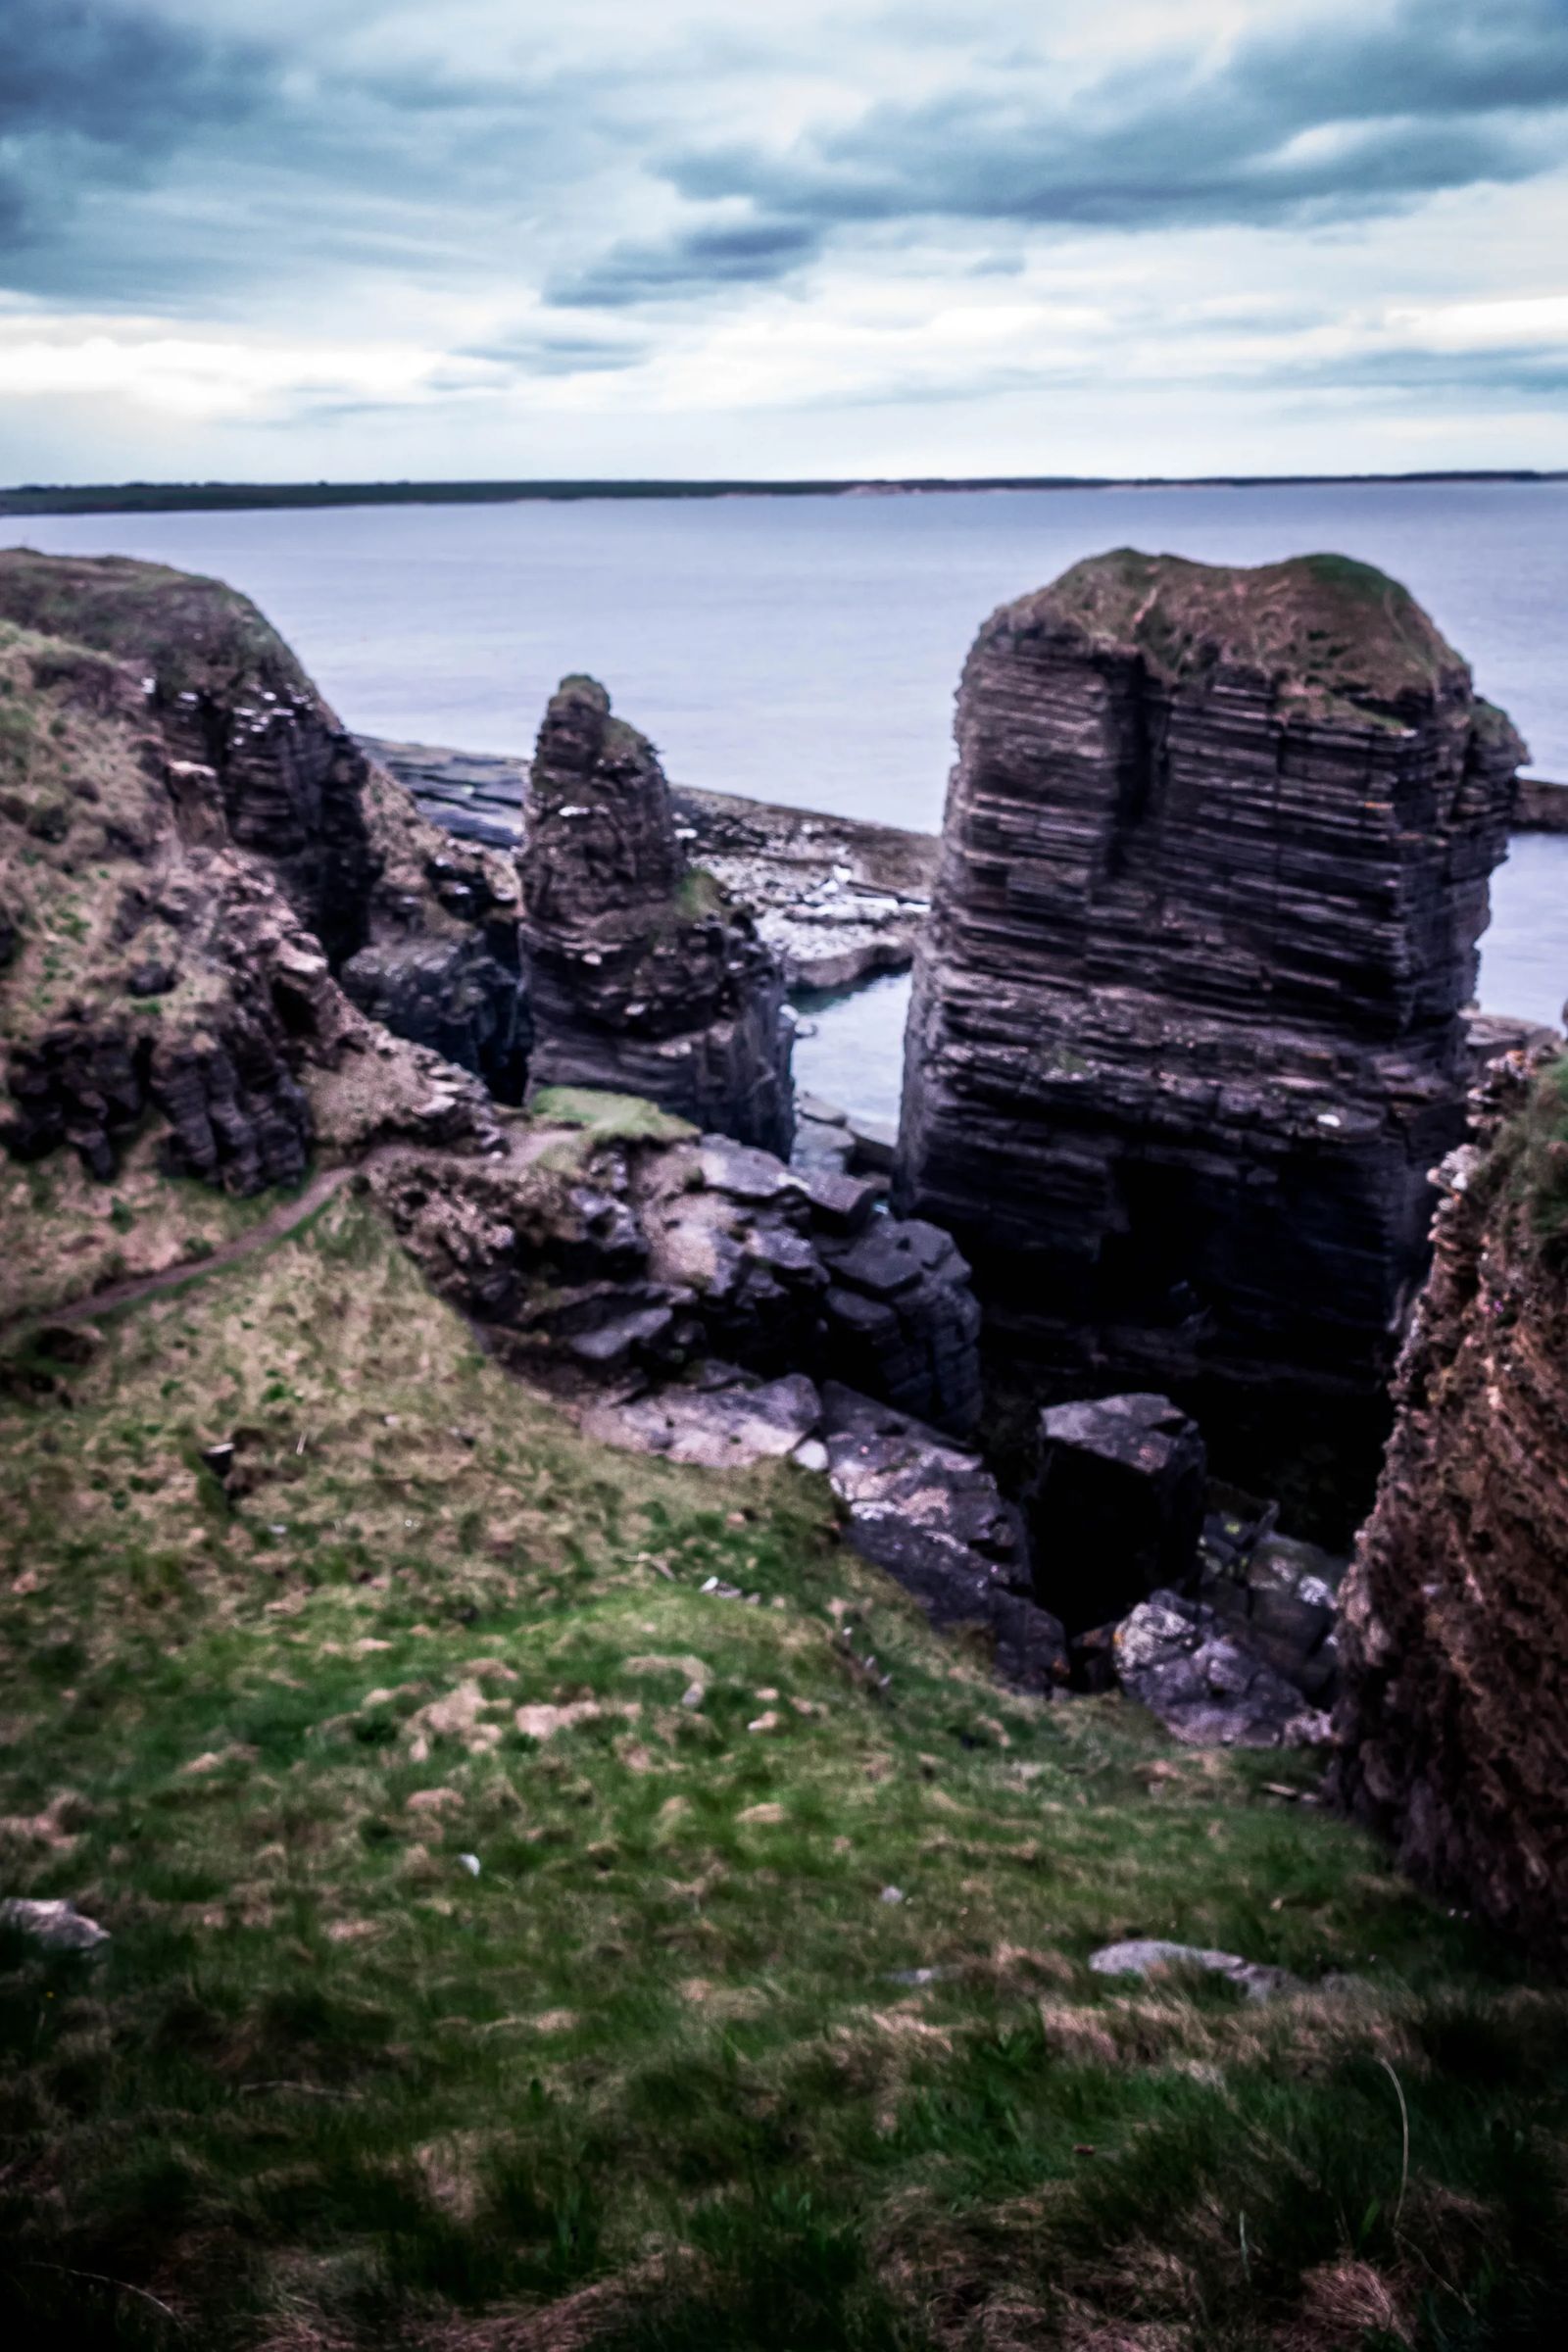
(42, 497)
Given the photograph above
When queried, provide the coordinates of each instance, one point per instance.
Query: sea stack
(646, 980)
(1187, 1035)
(1452, 1726)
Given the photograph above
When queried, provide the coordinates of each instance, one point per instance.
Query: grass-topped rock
(1188, 1022)
(1338, 638)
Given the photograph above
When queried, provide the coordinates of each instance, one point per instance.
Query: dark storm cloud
(739, 253)
(148, 163)
(1328, 123)
(118, 77)
(96, 94)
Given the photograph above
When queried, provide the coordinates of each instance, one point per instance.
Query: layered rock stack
(645, 979)
(1186, 1038)
(1454, 1720)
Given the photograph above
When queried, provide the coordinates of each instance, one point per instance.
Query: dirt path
(275, 1226)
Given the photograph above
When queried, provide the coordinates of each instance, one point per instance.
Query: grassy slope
(1349, 640)
(652, 2075)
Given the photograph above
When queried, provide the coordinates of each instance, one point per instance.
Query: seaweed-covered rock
(645, 979)
(1186, 1035)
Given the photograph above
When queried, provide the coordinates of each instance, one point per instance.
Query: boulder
(54, 1924)
(1153, 1955)
(1179, 1659)
(1117, 1506)
(932, 1515)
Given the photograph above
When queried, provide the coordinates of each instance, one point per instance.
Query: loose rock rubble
(1177, 1658)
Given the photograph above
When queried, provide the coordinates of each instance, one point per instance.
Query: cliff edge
(1453, 1722)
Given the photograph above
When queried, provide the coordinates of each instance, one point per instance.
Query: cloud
(1332, 122)
(711, 256)
(338, 209)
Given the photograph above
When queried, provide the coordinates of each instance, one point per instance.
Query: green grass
(608, 1117)
(657, 2076)
(1532, 1154)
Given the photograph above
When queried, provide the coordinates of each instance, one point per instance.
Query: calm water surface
(807, 649)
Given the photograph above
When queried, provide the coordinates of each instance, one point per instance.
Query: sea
(806, 650)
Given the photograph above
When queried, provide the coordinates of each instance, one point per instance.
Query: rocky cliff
(422, 931)
(645, 979)
(165, 966)
(1186, 1034)
(1454, 1724)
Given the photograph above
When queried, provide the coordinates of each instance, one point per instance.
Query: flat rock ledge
(915, 1504)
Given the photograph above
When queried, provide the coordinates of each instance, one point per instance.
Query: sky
(353, 239)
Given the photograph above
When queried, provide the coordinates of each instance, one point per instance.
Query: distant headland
(114, 498)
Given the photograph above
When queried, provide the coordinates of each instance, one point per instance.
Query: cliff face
(1185, 1033)
(1453, 1724)
(161, 970)
(645, 980)
(424, 932)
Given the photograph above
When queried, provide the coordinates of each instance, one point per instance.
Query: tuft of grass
(1535, 1149)
(608, 1117)
(767, 2021)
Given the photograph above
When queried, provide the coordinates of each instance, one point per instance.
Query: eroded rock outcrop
(162, 972)
(1186, 1034)
(423, 931)
(1452, 1728)
(645, 979)
(631, 1254)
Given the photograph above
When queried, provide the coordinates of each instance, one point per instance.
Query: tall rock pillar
(1186, 1035)
(646, 980)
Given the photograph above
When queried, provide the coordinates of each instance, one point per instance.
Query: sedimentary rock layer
(1453, 1722)
(163, 971)
(645, 979)
(423, 931)
(1186, 1034)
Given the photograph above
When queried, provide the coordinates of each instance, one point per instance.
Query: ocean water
(807, 649)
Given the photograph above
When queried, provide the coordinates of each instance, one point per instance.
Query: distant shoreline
(153, 498)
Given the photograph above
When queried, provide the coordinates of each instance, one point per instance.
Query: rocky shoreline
(837, 900)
